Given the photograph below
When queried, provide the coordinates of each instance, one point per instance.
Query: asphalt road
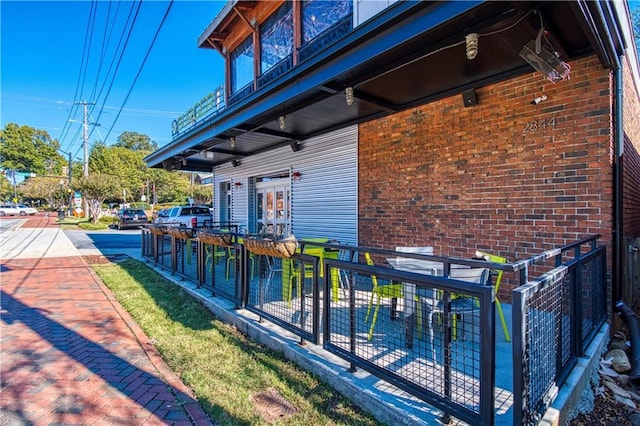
(107, 242)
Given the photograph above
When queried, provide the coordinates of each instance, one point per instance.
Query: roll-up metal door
(324, 183)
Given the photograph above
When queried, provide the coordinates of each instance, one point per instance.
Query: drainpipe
(617, 187)
(633, 323)
(615, 62)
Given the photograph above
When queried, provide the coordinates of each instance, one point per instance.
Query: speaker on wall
(469, 97)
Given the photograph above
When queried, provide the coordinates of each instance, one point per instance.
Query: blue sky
(42, 45)
(41, 58)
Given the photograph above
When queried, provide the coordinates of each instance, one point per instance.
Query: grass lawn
(231, 376)
(83, 223)
(70, 222)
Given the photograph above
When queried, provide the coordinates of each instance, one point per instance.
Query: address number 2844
(535, 125)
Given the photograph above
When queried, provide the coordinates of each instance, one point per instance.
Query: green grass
(221, 365)
(83, 223)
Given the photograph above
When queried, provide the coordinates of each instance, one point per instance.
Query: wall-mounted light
(235, 163)
(281, 122)
(232, 142)
(295, 146)
(204, 153)
(539, 99)
(348, 95)
(296, 175)
(184, 161)
(472, 45)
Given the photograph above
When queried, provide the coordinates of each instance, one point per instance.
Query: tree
(26, 149)
(201, 194)
(136, 142)
(134, 176)
(95, 189)
(126, 165)
(6, 189)
(53, 190)
(170, 186)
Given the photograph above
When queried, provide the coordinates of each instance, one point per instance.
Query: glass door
(273, 207)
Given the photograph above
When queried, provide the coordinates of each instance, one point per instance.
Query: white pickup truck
(189, 216)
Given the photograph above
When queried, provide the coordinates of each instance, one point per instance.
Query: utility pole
(85, 137)
(85, 145)
(70, 208)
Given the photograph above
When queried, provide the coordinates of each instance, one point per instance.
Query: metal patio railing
(444, 359)
(555, 317)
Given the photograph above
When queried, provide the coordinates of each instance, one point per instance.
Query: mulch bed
(101, 260)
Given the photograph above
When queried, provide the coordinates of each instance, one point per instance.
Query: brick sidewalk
(71, 355)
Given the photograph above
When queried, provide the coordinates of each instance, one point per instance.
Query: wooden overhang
(401, 58)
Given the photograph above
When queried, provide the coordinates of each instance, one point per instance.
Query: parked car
(189, 216)
(9, 210)
(131, 218)
(159, 215)
(26, 210)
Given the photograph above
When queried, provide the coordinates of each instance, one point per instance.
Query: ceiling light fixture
(232, 141)
(472, 45)
(348, 93)
(281, 122)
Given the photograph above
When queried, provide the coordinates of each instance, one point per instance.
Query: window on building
(225, 202)
(242, 65)
(319, 15)
(276, 37)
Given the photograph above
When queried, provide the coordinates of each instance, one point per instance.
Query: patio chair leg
(366, 318)
(431, 336)
(373, 320)
(503, 321)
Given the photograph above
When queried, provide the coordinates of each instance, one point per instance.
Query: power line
(146, 56)
(118, 52)
(119, 49)
(85, 52)
(106, 36)
(106, 96)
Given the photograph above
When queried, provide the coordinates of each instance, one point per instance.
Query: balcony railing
(214, 103)
(211, 104)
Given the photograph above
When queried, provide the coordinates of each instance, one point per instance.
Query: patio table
(418, 266)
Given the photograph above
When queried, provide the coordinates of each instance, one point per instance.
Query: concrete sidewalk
(70, 354)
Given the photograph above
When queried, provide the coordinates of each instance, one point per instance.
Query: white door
(273, 207)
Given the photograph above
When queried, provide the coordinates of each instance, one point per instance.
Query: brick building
(489, 169)
(506, 127)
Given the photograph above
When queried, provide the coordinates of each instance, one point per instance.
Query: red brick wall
(492, 177)
(631, 158)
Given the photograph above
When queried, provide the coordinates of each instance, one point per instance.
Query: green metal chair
(498, 274)
(380, 291)
(232, 256)
(213, 253)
